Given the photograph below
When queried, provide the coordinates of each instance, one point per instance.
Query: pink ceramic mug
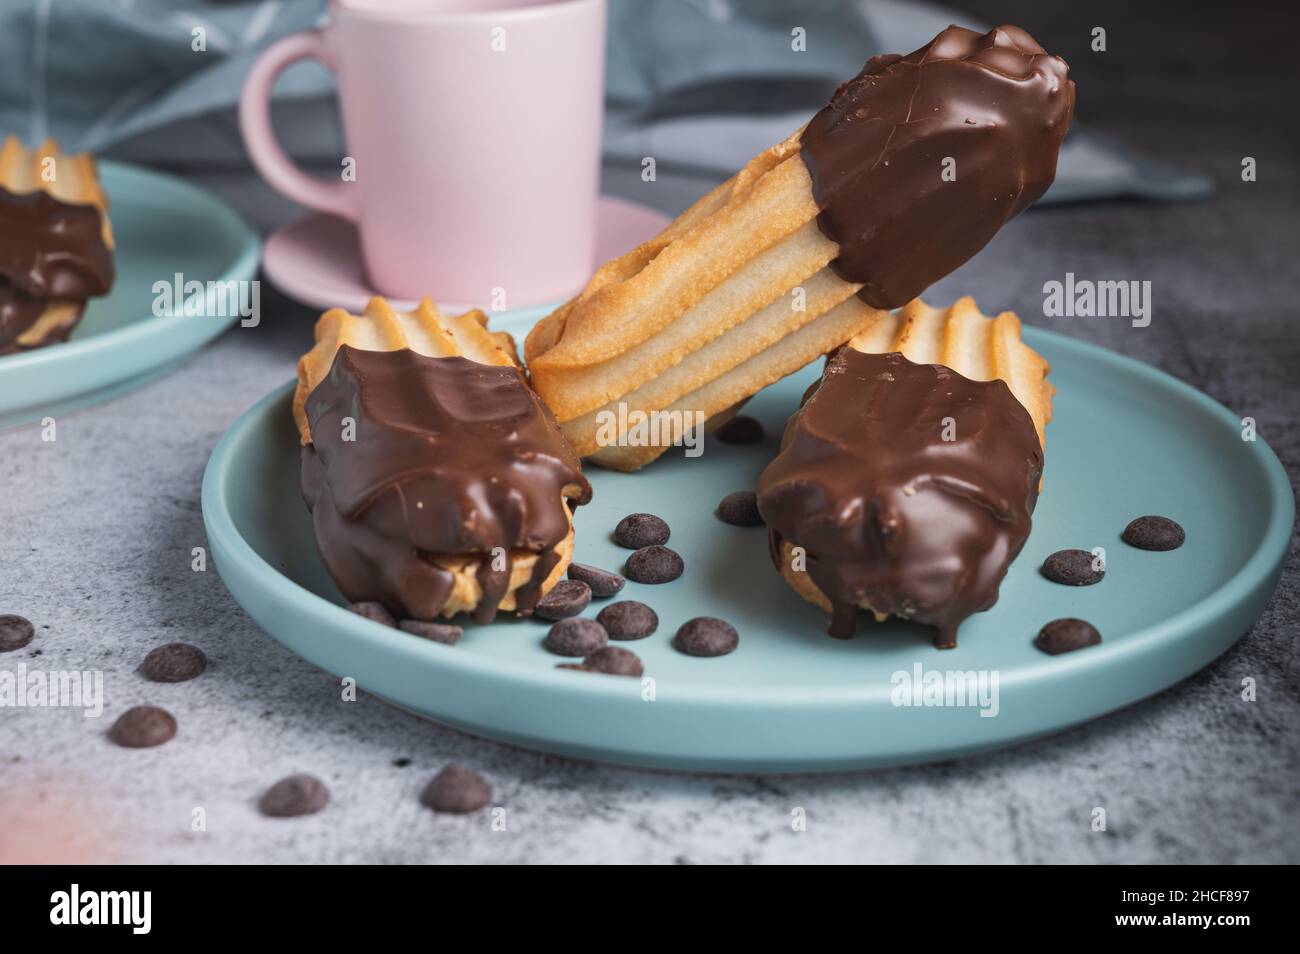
(474, 130)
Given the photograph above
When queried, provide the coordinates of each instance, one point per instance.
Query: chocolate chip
(614, 661)
(602, 582)
(295, 795)
(443, 633)
(15, 633)
(1066, 635)
(401, 762)
(1073, 568)
(575, 637)
(638, 530)
(1154, 533)
(566, 598)
(142, 727)
(654, 565)
(740, 509)
(706, 636)
(457, 790)
(174, 662)
(741, 429)
(371, 610)
(628, 619)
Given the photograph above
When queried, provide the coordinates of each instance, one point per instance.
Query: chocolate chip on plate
(1154, 533)
(142, 727)
(706, 636)
(1073, 568)
(741, 429)
(566, 598)
(443, 633)
(614, 661)
(371, 610)
(638, 530)
(1066, 635)
(628, 619)
(457, 790)
(15, 633)
(654, 564)
(174, 662)
(602, 582)
(740, 509)
(295, 795)
(575, 636)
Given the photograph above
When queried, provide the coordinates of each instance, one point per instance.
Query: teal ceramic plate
(162, 226)
(1127, 440)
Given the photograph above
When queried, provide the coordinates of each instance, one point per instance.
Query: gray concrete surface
(96, 531)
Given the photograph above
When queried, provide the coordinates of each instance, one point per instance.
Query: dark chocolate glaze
(450, 457)
(48, 250)
(890, 513)
(997, 104)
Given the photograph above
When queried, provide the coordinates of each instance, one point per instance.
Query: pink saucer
(317, 261)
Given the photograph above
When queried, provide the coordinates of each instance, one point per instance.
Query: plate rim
(153, 327)
(1257, 571)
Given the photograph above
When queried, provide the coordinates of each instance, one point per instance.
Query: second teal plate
(1127, 440)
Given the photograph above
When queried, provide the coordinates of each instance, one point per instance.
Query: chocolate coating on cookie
(997, 105)
(49, 249)
(888, 512)
(448, 456)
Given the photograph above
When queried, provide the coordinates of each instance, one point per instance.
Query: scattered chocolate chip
(443, 633)
(614, 661)
(142, 727)
(740, 509)
(654, 564)
(295, 795)
(741, 429)
(457, 790)
(628, 619)
(706, 636)
(15, 633)
(566, 598)
(602, 582)
(575, 636)
(174, 662)
(1072, 568)
(1066, 635)
(638, 530)
(576, 667)
(401, 762)
(1154, 533)
(377, 612)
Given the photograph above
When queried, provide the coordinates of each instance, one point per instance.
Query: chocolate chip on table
(741, 429)
(443, 633)
(602, 582)
(1072, 568)
(575, 636)
(1154, 533)
(740, 509)
(457, 790)
(371, 610)
(295, 795)
(654, 564)
(566, 598)
(628, 619)
(174, 662)
(638, 530)
(1066, 635)
(142, 727)
(15, 633)
(614, 661)
(706, 636)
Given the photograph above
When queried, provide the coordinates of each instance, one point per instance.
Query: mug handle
(337, 198)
